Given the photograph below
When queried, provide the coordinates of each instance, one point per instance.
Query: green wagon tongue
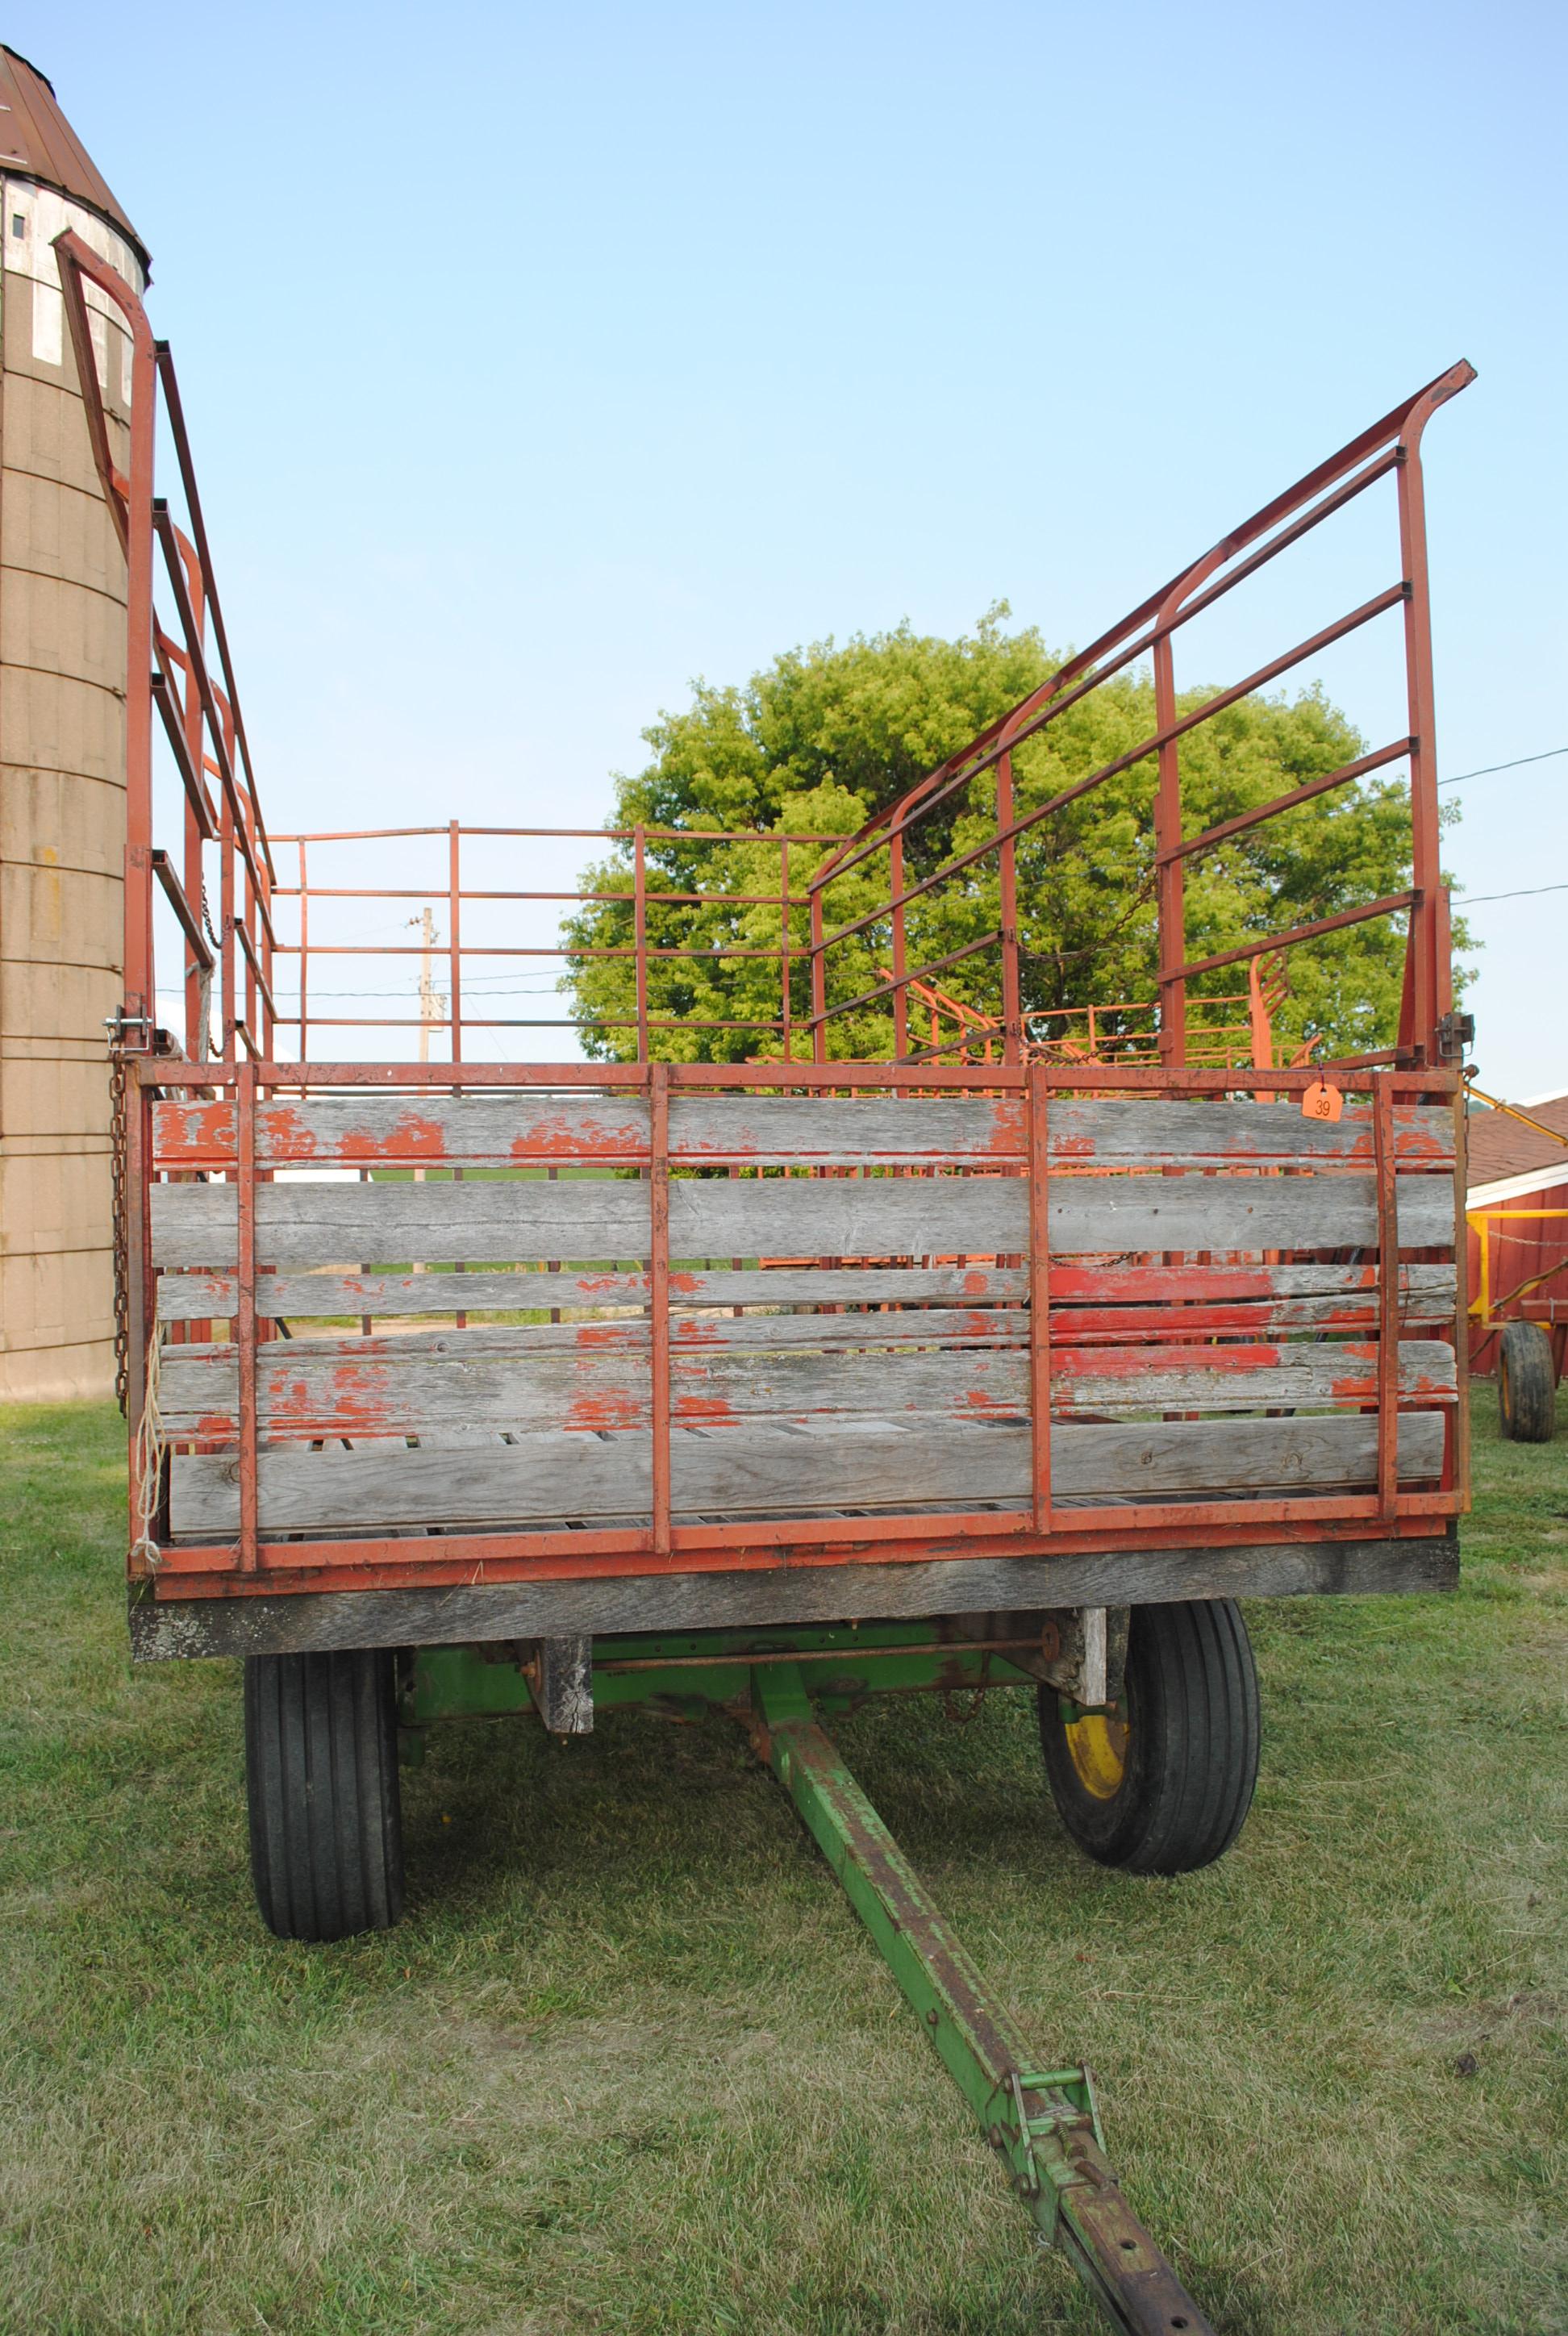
(1043, 2125)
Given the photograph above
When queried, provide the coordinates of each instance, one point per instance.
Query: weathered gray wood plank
(329, 1388)
(306, 1622)
(361, 1129)
(592, 1219)
(1295, 1296)
(771, 1470)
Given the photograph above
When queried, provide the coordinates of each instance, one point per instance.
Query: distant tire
(322, 1783)
(1527, 1384)
(1162, 1783)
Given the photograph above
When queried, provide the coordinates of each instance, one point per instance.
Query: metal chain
(117, 1169)
(957, 1719)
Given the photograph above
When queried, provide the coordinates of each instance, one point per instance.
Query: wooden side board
(1281, 1297)
(599, 1220)
(333, 1388)
(306, 1621)
(778, 1469)
(521, 1129)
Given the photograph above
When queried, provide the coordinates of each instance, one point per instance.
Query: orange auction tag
(1322, 1102)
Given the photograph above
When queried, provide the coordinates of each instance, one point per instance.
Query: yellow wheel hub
(1098, 1745)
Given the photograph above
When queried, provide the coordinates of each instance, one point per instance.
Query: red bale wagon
(1065, 1356)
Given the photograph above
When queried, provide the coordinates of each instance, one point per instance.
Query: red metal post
(1383, 1152)
(819, 980)
(639, 919)
(245, 1306)
(1040, 1293)
(1426, 875)
(1169, 883)
(1459, 1438)
(901, 966)
(226, 922)
(785, 966)
(1007, 887)
(659, 1296)
(198, 984)
(454, 925)
(304, 951)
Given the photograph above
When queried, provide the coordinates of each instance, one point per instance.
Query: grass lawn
(630, 2063)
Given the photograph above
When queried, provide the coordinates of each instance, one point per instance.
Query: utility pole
(432, 1001)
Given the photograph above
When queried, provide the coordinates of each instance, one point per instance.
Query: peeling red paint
(412, 1137)
(616, 1409)
(706, 1411)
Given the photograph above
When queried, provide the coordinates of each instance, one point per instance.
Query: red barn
(1517, 1205)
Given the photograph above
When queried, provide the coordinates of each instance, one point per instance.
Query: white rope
(150, 1445)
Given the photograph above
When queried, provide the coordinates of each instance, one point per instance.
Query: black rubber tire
(1190, 1705)
(1527, 1384)
(321, 1782)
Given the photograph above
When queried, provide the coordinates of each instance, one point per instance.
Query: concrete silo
(63, 632)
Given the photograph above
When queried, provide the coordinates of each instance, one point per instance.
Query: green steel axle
(1042, 2123)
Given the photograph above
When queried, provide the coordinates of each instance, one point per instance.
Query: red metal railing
(1390, 447)
(453, 1012)
(169, 668)
(198, 713)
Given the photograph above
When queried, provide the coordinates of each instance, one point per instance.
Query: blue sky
(540, 359)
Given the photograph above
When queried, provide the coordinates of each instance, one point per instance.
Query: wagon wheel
(1161, 1782)
(1527, 1384)
(321, 1779)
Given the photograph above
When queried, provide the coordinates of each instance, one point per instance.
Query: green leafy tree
(825, 736)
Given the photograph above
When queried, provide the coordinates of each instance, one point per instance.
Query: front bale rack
(840, 1366)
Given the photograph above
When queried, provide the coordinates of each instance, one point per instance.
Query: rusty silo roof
(38, 142)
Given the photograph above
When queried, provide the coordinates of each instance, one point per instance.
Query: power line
(1518, 762)
(1469, 900)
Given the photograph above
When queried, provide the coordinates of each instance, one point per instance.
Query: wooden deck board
(773, 1470)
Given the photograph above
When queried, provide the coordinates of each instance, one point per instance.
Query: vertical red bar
(1040, 1294)
(1012, 1010)
(1459, 1442)
(1383, 1153)
(454, 922)
(1426, 861)
(140, 981)
(784, 964)
(249, 915)
(1171, 883)
(198, 987)
(140, 1323)
(244, 1305)
(226, 921)
(819, 981)
(639, 914)
(659, 1295)
(304, 953)
(901, 961)
(454, 1006)
(264, 948)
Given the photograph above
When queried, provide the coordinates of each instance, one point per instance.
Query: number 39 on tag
(1322, 1101)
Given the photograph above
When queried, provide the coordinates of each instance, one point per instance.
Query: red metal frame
(201, 718)
(411, 1559)
(1391, 446)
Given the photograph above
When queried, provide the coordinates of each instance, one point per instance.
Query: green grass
(630, 2065)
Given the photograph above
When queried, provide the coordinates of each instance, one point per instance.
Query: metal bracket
(1455, 1034)
(1083, 1649)
(120, 1023)
(560, 1681)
